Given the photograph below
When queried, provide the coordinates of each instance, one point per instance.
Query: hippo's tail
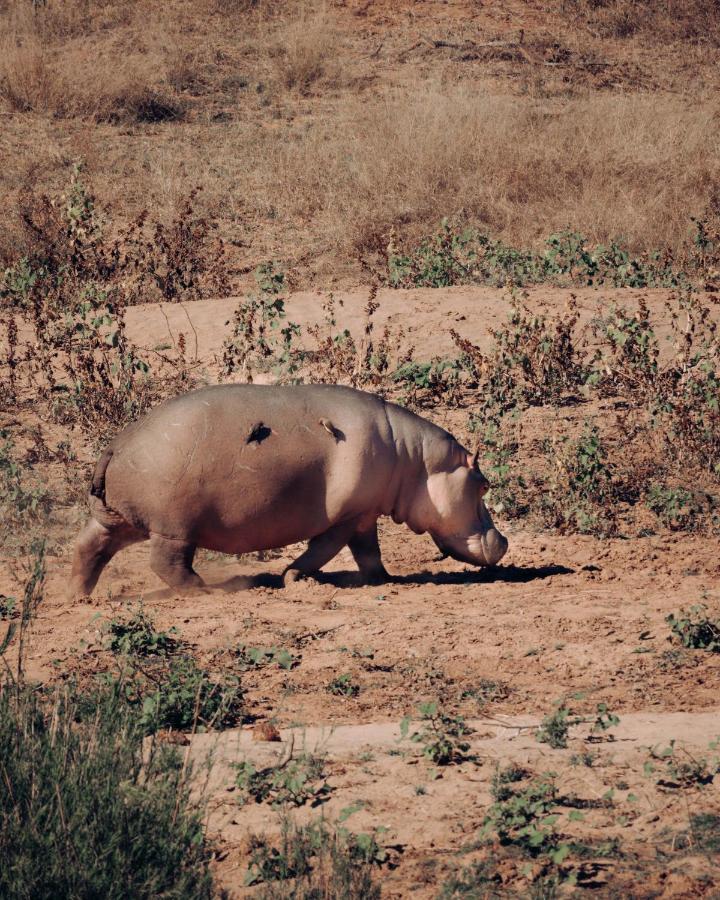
(97, 488)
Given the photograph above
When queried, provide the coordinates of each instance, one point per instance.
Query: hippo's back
(237, 467)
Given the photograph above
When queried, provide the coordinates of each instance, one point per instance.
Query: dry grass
(109, 82)
(313, 133)
(632, 166)
(307, 51)
(664, 20)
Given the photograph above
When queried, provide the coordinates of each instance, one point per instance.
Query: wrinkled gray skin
(237, 468)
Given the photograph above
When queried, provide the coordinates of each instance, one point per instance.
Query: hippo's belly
(207, 486)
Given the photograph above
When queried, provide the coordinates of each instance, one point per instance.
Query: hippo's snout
(484, 549)
(494, 546)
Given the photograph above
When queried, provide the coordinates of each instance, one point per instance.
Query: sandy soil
(562, 616)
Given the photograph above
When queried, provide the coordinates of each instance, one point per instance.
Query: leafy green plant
(136, 636)
(675, 507)
(582, 488)
(468, 256)
(261, 340)
(183, 696)
(525, 817)
(259, 657)
(323, 861)
(503, 778)
(679, 768)
(555, 727)
(695, 629)
(8, 607)
(293, 781)
(441, 735)
(343, 686)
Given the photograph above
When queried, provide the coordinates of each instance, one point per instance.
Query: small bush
(695, 629)
(88, 793)
(342, 686)
(525, 818)
(293, 781)
(323, 863)
(441, 735)
(680, 768)
(555, 727)
(136, 636)
(183, 696)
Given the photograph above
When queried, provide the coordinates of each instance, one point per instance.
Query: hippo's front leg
(365, 548)
(320, 550)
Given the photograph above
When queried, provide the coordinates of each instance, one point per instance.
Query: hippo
(242, 467)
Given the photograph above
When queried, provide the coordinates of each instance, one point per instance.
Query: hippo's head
(458, 520)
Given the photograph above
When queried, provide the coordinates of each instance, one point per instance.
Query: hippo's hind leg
(95, 547)
(172, 560)
(320, 550)
(365, 548)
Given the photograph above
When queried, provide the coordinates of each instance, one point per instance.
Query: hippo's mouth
(492, 546)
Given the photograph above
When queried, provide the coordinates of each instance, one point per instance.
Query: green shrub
(324, 863)
(136, 636)
(441, 735)
(85, 811)
(184, 696)
(342, 686)
(294, 780)
(695, 629)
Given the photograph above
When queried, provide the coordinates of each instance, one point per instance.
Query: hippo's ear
(472, 461)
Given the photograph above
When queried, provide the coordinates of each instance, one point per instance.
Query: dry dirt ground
(563, 616)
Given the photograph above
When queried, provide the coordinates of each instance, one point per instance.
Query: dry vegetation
(315, 130)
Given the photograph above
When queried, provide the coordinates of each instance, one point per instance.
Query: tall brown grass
(307, 51)
(663, 20)
(632, 166)
(298, 158)
(47, 67)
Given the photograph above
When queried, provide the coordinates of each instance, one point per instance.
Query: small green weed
(184, 696)
(343, 686)
(555, 727)
(441, 735)
(8, 607)
(324, 862)
(259, 657)
(503, 778)
(679, 768)
(260, 339)
(136, 636)
(695, 629)
(292, 781)
(525, 818)
(675, 507)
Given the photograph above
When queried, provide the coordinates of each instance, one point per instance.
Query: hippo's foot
(95, 547)
(365, 548)
(375, 577)
(290, 576)
(320, 550)
(172, 561)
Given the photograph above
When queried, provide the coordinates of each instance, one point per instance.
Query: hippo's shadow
(489, 575)
(349, 579)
